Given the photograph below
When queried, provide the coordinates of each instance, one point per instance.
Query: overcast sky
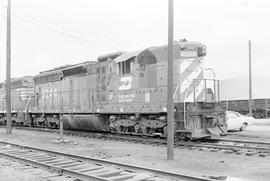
(224, 26)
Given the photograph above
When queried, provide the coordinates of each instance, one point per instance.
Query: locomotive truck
(125, 92)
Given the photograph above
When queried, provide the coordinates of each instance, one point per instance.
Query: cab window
(146, 58)
(125, 67)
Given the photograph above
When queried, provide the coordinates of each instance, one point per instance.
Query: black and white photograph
(134, 90)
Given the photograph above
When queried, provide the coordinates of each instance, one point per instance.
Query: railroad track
(86, 168)
(239, 147)
(254, 147)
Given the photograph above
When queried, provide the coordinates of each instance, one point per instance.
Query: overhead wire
(64, 33)
(210, 58)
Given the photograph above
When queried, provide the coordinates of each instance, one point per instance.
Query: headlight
(201, 51)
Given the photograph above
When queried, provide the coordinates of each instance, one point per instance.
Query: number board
(188, 53)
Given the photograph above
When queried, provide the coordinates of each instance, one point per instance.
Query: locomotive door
(71, 94)
(151, 75)
(141, 71)
(101, 86)
(147, 70)
(98, 84)
(38, 96)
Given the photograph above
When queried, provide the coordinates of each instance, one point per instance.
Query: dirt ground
(190, 162)
(11, 171)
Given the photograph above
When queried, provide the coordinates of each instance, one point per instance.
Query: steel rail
(46, 166)
(228, 147)
(156, 172)
(238, 141)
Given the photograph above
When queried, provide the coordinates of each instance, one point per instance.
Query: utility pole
(218, 90)
(250, 80)
(8, 57)
(170, 107)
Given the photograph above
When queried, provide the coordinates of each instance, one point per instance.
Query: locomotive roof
(24, 81)
(128, 55)
(179, 43)
(107, 56)
(58, 69)
(21, 78)
(28, 77)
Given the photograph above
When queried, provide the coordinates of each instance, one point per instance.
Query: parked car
(237, 121)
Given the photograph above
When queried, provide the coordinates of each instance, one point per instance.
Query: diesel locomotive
(121, 92)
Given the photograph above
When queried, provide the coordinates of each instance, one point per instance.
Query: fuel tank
(85, 122)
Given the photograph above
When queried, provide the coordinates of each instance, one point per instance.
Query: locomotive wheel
(151, 131)
(125, 130)
(139, 129)
(243, 127)
(144, 131)
(119, 129)
(132, 129)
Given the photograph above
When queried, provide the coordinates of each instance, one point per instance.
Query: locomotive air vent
(74, 71)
